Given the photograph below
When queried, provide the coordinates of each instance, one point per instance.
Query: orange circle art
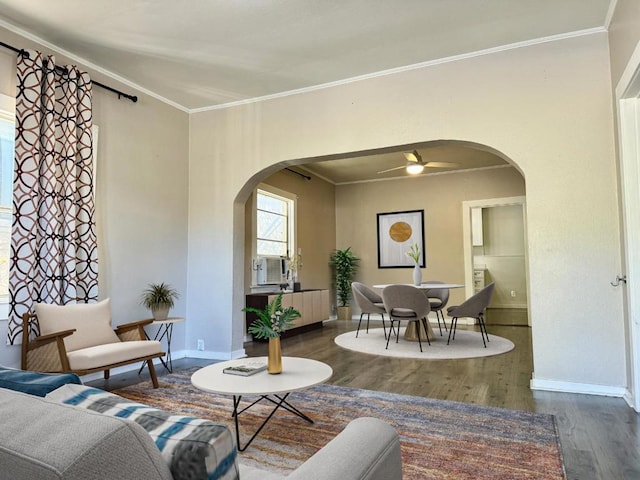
(400, 232)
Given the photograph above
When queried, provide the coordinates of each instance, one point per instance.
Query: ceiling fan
(415, 164)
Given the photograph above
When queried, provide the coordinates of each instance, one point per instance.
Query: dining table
(411, 332)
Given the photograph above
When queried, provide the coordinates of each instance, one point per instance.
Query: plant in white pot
(344, 264)
(159, 298)
(415, 255)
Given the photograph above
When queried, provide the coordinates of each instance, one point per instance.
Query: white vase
(417, 275)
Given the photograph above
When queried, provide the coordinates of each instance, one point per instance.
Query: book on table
(245, 369)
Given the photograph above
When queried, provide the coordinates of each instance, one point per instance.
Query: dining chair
(369, 302)
(472, 307)
(406, 302)
(438, 299)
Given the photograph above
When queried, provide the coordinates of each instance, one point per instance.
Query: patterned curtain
(54, 256)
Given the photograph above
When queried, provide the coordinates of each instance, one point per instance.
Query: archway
(438, 266)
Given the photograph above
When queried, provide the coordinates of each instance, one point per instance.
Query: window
(7, 135)
(274, 224)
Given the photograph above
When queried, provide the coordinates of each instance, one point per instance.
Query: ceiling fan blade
(392, 169)
(412, 156)
(440, 164)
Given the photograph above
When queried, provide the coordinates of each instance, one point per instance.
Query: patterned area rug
(439, 439)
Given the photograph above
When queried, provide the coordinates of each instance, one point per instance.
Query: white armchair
(79, 338)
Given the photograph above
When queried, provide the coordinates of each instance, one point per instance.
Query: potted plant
(272, 321)
(159, 298)
(344, 264)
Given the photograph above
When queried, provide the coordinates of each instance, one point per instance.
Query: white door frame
(628, 102)
(468, 247)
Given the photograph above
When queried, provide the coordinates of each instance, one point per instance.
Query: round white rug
(468, 344)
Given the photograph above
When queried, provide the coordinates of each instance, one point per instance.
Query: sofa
(63, 435)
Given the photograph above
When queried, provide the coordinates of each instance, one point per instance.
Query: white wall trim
(612, 9)
(521, 306)
(629, 83)
(210, 355)
(415, 66)
(582, 388)
(88, 63)
(488, 51)
(628, 110)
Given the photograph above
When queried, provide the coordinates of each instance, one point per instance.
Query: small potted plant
(159, 298)
(272, 321)
(344, 264)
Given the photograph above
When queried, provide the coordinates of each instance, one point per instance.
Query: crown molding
(430, 63)
(406, 68)
(83, 61)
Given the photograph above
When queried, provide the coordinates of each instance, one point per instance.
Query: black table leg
(279, 402)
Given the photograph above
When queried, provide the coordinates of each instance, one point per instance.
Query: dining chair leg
(483, 330)
(418, 332)
(358, 331)
(440, 315)
(389, 337)
(368, 315)
(486, 334)
(426, 330)
(398, 331)
(452, 329)
(384, 328)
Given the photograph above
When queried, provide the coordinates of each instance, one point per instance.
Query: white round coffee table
(297, 374)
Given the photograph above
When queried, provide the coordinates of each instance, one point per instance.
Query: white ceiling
(198, 54)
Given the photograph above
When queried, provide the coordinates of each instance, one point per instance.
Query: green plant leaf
(159, 295)
(273, 320)
(344, 264)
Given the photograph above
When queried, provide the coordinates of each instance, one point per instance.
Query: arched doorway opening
(355, 203)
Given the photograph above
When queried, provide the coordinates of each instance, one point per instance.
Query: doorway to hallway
(495, 251)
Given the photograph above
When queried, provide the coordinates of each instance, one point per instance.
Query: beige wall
(547, 107)
(142, 196)
(441, 197)
(315, 206)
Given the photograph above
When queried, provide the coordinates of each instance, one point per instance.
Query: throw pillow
(92, 322)
(193, 448)
(35, 383)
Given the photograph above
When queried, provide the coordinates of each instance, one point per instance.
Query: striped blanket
(193, 448)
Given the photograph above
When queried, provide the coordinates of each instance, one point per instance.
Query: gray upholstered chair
(369, 302)
(438, 299)
(472, 307)
(406, 302)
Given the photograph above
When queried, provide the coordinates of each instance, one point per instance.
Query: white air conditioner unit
(271, 270)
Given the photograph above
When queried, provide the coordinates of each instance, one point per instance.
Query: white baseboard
(518, 306)
(571, 387)
(209, 355)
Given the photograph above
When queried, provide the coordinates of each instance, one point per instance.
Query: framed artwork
(397, 232)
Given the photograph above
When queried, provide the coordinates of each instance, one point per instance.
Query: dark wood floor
(600, 436)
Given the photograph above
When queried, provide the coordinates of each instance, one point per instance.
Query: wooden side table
(165, 330)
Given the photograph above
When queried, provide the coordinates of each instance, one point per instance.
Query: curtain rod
(298, 173)
(120, 94)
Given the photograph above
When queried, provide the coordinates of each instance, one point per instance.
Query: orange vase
(274, 361)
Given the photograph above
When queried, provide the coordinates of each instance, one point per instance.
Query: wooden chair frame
(53, 348)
